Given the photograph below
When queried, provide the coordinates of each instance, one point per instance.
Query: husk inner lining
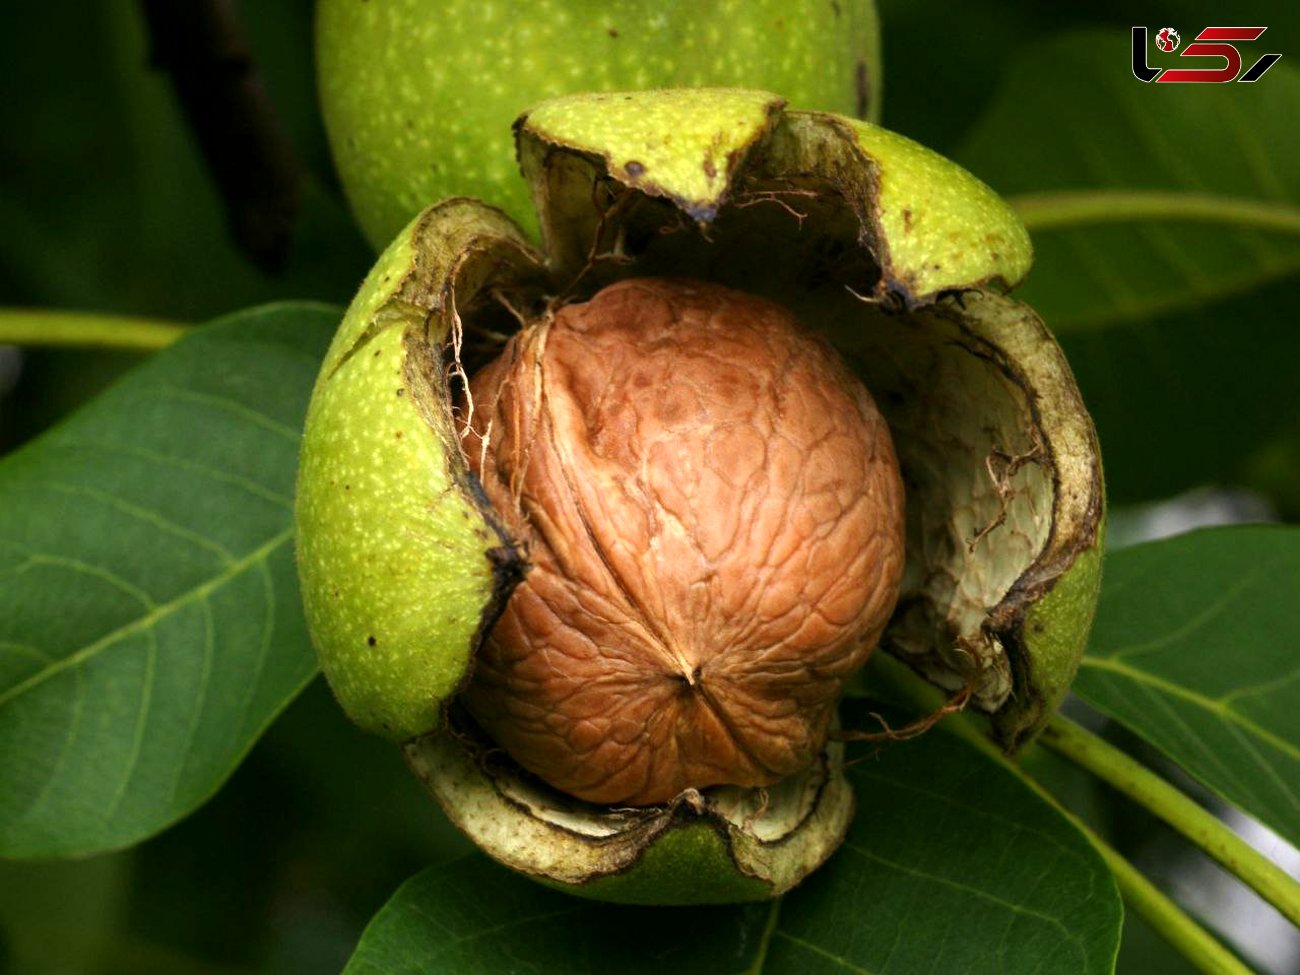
(979, 478)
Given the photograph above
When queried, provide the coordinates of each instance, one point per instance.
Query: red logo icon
(1209, 43)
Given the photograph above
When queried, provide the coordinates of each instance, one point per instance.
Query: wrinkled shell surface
(712, 510)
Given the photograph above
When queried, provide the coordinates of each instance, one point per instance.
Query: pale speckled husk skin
(418, 95)
(399, 559)
(898, 255)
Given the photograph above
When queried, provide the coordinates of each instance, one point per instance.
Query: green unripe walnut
(418, 95)
(895, 256)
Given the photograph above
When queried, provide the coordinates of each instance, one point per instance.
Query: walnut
(712, 511)
(702, 556)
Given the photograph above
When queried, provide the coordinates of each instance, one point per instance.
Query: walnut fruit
(689, 202)
(418, 95)
(712, 512)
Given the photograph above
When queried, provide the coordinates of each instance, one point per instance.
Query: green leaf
(951, 865)
(1172, 289)
(1097, 130)
(1194, 649)
(1188, 398)
(150, 626)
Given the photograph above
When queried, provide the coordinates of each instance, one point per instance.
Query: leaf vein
(141, 721)
(765, 937)
(1193, 697)
(1266, 768)
(823, 953)
(84, 568)
(965, 811)
(1211, 610)
(227, 405)
(74, 729)
(138, 513)
(183, 463)
(25, 649)
(162, 611)
(976, 892)
(1268, 687)
(201, 697)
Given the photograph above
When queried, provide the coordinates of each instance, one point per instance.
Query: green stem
(1156, 795)
(67, 329)
(1197, 945)
(1049, 211)
(1205, 952)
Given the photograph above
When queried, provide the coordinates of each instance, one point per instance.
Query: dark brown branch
(202, 45)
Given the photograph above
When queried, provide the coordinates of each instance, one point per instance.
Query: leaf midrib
(1208, 704)
(1070, 209)
(154, 616)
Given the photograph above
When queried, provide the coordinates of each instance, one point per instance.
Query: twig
(203, 46)
(70, 329)
(1154, 794)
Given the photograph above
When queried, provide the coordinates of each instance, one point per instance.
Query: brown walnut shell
(712, 511)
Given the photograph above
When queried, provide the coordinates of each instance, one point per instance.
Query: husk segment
(721, 846)
(401, 561)
(849, 225)
(894, 253)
